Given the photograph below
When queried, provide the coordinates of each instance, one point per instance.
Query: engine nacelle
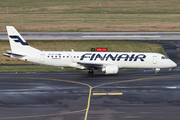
(111, 69)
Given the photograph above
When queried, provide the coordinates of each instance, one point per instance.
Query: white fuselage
(121, 59)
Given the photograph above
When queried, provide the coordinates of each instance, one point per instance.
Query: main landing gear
(157, 71)
(91, 72)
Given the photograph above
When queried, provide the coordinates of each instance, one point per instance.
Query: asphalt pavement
(71, 95)
(96, 35)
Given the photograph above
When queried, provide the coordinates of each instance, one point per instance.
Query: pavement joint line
(55, 92)
(36, 92)
(134, 90)
(46, 92)
(85, 91)
(124, 91)
(75, 91)
(144, 90)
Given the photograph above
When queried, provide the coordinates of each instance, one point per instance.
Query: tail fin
(17, 42)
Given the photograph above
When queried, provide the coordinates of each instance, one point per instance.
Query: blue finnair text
(115, 57)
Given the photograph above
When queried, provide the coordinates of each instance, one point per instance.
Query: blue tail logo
(18, 39)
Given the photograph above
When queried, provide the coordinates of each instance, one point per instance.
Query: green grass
(39, 69)
(90, 7)
(61, 15)
(32, 69)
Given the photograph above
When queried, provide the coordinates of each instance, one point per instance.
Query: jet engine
(111, 69)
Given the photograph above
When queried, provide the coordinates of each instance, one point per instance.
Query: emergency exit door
(42, 58)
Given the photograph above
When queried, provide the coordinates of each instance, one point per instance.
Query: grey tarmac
(96, 35)
(64, 95)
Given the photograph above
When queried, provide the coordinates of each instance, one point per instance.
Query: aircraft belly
(57, 62)
(127, 64)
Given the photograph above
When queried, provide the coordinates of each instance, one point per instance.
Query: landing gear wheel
(156, 73)
(91, 72)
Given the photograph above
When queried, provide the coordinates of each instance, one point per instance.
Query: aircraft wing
(89, 65)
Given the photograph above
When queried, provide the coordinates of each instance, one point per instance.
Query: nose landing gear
(157, 71)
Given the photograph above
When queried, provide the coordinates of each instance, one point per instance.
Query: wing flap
(89, 65)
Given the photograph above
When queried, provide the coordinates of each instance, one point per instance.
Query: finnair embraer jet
(108, 62)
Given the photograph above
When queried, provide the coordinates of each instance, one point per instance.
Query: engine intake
(111, 69)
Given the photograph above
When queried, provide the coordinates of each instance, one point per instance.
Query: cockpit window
(164, 57)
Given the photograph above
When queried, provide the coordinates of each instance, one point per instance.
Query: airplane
(107, 62)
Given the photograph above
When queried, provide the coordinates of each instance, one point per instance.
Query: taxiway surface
(70, 95)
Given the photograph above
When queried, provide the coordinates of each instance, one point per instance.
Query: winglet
(72, 50)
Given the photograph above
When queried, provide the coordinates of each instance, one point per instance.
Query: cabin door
(154, 59)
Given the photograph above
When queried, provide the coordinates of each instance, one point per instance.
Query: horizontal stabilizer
(9, 53)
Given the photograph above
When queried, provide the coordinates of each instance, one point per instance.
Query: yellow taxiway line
(115, 93)
(107, 93)
(99, 93)
(89, 99)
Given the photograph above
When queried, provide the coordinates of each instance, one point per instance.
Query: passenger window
(67, 56)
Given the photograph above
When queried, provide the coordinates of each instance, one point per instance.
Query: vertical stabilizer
(17, 42)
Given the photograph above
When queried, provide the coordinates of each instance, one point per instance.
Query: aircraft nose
(173, 64)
